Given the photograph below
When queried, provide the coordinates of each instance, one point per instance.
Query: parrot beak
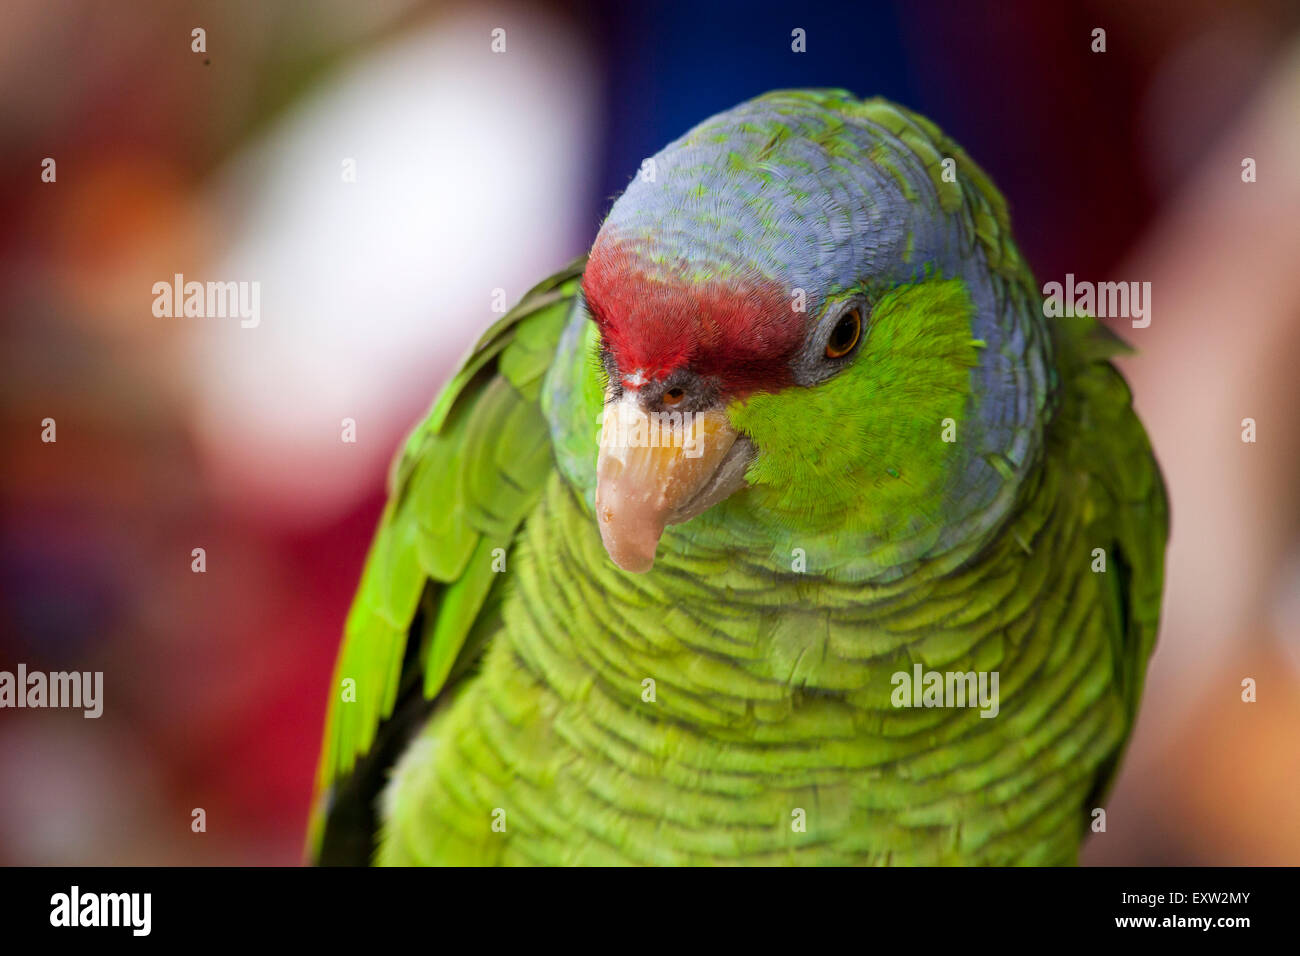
(661, 469)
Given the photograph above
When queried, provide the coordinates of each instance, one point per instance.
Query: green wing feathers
(1127, 503)
(463, 484)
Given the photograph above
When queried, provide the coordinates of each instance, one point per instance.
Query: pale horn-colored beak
(660, 469)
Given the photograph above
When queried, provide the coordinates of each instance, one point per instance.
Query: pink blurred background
(478, 171)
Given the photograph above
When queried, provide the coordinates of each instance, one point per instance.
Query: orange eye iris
(673, 396)
(845, 335)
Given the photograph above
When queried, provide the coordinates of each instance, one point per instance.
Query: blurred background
(477, 171)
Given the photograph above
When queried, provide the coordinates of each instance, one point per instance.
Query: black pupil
(845, 330)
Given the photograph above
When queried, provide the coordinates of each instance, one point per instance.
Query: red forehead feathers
(742, 333)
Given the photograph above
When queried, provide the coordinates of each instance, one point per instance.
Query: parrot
(680, 566)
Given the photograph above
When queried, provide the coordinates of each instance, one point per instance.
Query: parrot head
(796, 314)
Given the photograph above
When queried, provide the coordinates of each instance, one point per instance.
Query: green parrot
(702, 554)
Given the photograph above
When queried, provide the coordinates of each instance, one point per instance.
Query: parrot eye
(836, 336)
(673, 396)
(844, 337)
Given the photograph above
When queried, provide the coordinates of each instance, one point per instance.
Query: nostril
(673, 396)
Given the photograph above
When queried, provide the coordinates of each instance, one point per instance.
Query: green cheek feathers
(595, 379)
(865, 449)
